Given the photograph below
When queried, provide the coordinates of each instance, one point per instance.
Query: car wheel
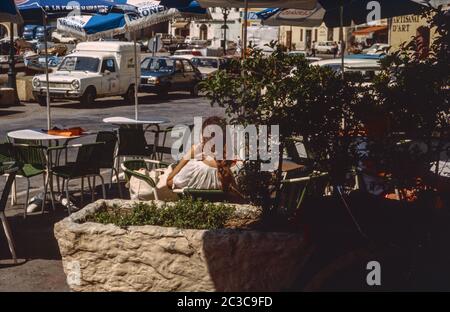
(42, 100)
(129, 96)
(88, 97)
(194, 90)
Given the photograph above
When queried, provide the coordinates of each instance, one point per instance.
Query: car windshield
(158, 64)
(80, 63)
(204, 62)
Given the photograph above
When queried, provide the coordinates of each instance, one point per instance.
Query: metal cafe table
(151, 121)
(44, 139)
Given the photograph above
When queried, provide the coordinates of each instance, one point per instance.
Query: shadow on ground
(146, 99)
(4, 113)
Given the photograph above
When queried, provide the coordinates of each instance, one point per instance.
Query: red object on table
(67, 132)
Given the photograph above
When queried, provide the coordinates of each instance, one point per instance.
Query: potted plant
(120, 245)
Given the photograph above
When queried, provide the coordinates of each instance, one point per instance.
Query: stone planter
(99, 257)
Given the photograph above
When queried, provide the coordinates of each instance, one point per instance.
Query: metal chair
(130, 168)
(86, 165)
(131, 143)
(34, 161)
(295, 191)
(11, 169)
(160, 149)
(106, 155)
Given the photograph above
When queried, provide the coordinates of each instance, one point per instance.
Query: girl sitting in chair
(200, 168)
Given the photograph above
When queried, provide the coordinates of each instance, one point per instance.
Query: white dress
(197, 175)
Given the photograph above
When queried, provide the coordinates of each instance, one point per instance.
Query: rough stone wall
(100, 257)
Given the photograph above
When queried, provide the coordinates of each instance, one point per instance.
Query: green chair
(131, 144)
(86, 165)
(106, 155)
(130, 168)
(10, 169)
(34, 161)
(159, 148)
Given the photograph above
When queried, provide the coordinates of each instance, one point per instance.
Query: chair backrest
(87, 160)
(130, 168)
(106, 153)
(30, 152)
(132, 142)
(6, 152)
(11, 170)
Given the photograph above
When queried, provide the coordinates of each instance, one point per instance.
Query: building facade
(211, 29)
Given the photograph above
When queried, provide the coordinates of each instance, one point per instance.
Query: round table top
(37, 135)
(129, 121)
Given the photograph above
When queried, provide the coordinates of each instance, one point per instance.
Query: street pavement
(39, 267)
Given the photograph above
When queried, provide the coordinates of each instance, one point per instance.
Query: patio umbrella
(9, 12)
(146, 13)
(37, 11)
(259, 3)
(301, 4)
(344, 13)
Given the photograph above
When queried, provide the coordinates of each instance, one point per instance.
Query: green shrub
(185, 214)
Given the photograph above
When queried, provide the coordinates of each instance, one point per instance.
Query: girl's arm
(180, 165)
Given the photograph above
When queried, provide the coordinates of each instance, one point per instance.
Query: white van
(93, 70)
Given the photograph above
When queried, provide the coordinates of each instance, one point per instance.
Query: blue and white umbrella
(293, 17)
(353, 11)
(34, 10)
(301, 4)
(9, 12)
(345, 12)
(147, 13)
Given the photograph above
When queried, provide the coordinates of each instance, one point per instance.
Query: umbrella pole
(49, 121)
(244, 30)
(341, 35)
(12, 63)
(136, 99)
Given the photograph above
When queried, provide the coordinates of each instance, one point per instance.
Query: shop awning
(369, 30)
(180, 25)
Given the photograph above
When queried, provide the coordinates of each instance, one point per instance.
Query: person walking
(313, 49)
(335, 49)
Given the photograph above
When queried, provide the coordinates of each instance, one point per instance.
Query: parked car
(176, 46)
(325, 47)
(60, 37)
(41, 30)
(161, 75)
(29, 32)
(190, 40)
(310, 59)
(377, 48)
(188, 52)
(208, 65)
(93, 70)
(355, 63)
